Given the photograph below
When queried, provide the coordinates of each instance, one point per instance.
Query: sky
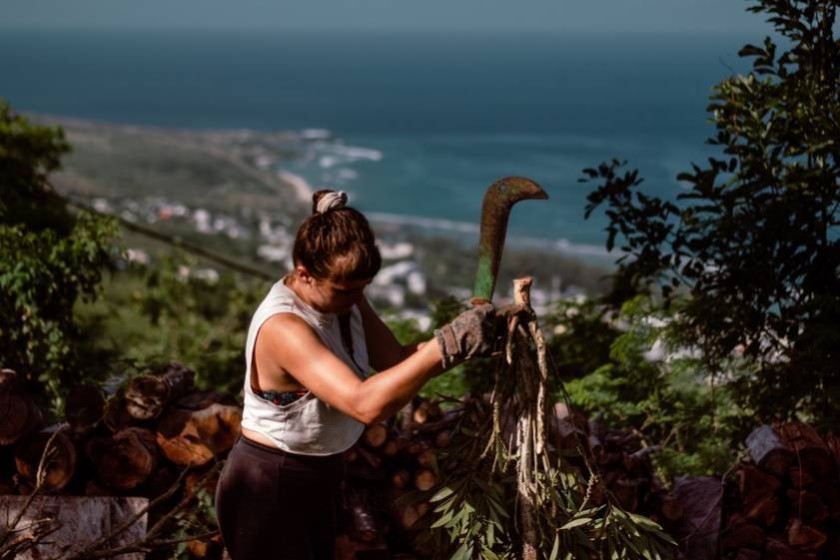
(606, 16)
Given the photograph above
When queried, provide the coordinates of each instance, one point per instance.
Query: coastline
(302, 188)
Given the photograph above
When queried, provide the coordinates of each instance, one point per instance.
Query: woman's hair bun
(325, 200)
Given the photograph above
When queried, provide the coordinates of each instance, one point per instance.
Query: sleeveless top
(307, 426)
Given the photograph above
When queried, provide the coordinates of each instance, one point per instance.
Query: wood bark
(18, 413)
(804, 537)
(743, 535)
(147, 395)
(810, 451)
(125, 460)
(59, 458)
(768, 451)
(755, 484)
(115, 415)
(84, 407)
(194, 437)
(699, 526)
(77, 521)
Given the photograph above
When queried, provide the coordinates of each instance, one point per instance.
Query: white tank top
(308, 426)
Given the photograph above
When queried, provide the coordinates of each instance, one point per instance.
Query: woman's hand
(473, 333)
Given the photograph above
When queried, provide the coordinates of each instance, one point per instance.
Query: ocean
(414, 126)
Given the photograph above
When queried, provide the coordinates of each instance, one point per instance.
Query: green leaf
(441, 494)
(577, 522)
(443, 520)
(555, 549)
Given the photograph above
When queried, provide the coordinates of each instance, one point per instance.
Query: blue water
(419, 123)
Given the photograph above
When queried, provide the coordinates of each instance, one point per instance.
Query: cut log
(124, 460)
(375, 435)
(829, 493)
(768, 451)
(400, 479)
(426, 411)
(764, 510)
(443, 438)
(408, 516)
(700, 498)
(391, 448)
(755, 484)
(744, 535)
(115, 415)
(18, 413)
(365, 527)
(202, 399)
(808, 506)
(804, 537)
(777, 549)
(373, 460)
(59, 458)
(425, 479)
(84, 407)
(194, 437)
(800, 478)
(147, 395)
(812, 454)
(748, 554)
(427, 458)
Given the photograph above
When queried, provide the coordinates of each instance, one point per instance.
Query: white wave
(355, 153)
(428, 223)
(347, 174)
(325, 162)
(315, 134)
(563, 246)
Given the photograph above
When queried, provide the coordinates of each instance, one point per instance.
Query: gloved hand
(471, 334)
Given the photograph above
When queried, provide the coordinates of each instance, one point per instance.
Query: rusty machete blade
(498, 201)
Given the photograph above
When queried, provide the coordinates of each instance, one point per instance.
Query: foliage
(754, 240)
(171, 312)
(504, 492)
(669, 400)
(49, 258)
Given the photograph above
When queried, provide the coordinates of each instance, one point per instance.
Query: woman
(311, 345)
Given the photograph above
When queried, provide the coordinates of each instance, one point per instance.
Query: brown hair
(336, 244)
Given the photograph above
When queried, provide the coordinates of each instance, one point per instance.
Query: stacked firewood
(136, 442)
(391, 459)
(784, 502)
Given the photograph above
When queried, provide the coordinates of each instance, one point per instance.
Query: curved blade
(498, 201)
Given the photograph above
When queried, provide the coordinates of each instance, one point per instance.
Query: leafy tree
(49, 256)
(754, 242)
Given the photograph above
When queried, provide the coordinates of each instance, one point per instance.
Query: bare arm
(289, 342)
(384, 350)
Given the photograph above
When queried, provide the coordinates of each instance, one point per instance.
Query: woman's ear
(303, 274)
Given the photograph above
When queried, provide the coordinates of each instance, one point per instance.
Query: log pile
(133, 443)
(783, 502)
(390, 460)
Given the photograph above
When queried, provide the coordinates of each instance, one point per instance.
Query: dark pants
(273, 504)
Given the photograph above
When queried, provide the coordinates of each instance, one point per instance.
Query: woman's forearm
(382, 395)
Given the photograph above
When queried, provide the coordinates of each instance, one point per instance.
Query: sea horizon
(410, 127)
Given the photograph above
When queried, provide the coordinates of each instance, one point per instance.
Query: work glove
(473, 333)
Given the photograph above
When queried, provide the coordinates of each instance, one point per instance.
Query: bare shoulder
(287, 331)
